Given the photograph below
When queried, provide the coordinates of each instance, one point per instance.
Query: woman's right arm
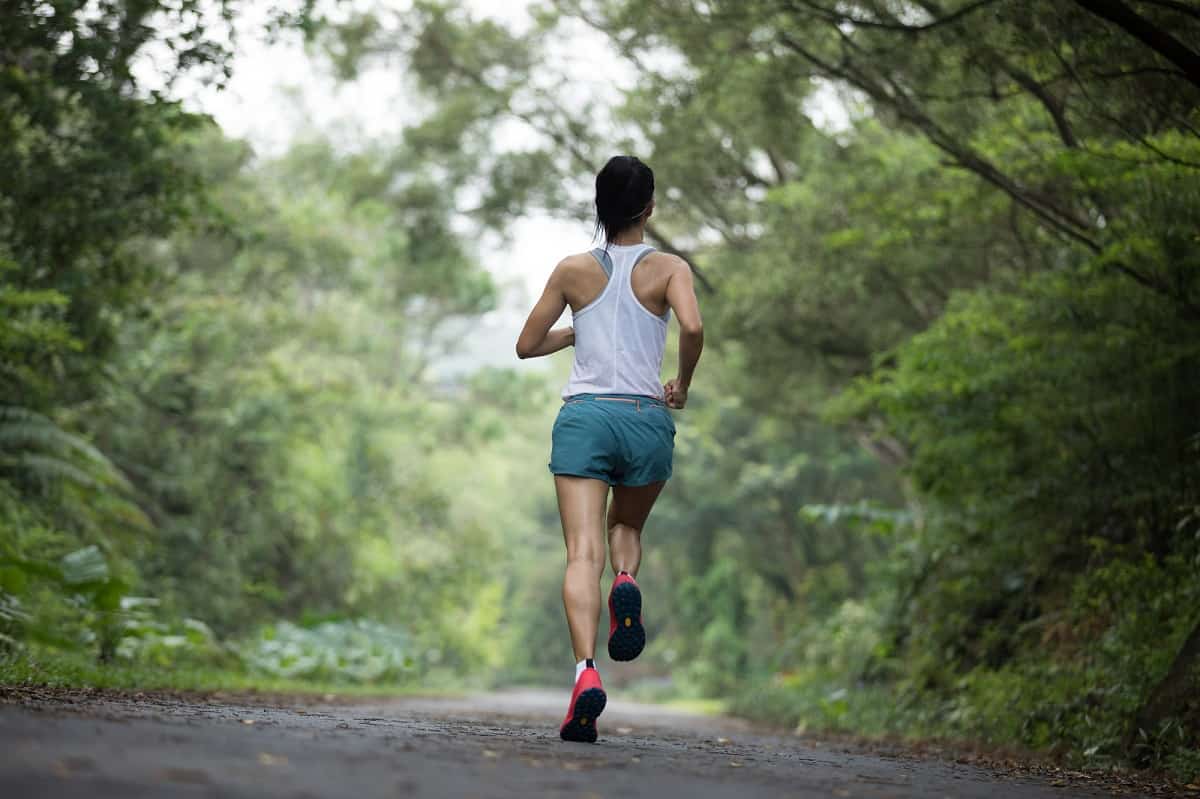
(681, 296)
(537, 339)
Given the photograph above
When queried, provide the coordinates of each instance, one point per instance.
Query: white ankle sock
(580, 666)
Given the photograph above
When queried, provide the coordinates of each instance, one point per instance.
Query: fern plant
(38, 456)
(49, 476)
(33, 447)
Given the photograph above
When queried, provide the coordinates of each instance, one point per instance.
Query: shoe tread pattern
(626, 643)
(581, 728)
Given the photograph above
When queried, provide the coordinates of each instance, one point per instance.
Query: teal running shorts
(622, 439)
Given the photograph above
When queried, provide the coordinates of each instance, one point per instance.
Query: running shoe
(587, 702)
(626, 635)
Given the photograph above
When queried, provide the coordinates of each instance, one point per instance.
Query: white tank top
(618, 341)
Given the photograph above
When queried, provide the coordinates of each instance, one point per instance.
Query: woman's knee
(618, 528)
(586, 555)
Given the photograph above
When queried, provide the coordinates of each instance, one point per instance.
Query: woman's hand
(676, 394)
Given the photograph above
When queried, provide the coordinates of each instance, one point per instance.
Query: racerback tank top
(618, 341)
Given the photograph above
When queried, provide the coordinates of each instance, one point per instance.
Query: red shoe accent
(626, 635)
(587, 702)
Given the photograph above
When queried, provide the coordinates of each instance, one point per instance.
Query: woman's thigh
(581, 508)
(632, 504)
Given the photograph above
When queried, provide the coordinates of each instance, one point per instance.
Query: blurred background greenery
(940, 475)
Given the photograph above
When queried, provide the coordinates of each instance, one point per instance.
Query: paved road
(493, 745)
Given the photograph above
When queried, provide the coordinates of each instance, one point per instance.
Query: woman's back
(620, 322)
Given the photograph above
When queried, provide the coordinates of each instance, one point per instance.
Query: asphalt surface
(491, 745)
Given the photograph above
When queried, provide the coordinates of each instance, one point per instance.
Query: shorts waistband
(637, 400)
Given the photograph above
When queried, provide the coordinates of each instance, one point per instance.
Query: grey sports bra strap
(641, 255)
(605, 261)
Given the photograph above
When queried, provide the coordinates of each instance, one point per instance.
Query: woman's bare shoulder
(576, 263)
(666, 262)
(578, 259)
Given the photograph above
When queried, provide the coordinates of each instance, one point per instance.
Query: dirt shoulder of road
(1117, 779)
(34, 694)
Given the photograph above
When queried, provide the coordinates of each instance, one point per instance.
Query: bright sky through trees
(279, 91)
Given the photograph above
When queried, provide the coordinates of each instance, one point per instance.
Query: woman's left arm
(536, 337)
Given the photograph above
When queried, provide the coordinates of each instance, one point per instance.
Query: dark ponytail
(624, 190)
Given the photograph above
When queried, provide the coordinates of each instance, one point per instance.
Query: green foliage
(34, 450)
(33, 332)
(87, 159)
(83, 589)
(71, 670)
(355, 652)
(146, 639)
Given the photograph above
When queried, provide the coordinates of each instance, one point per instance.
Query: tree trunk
(1167, 694)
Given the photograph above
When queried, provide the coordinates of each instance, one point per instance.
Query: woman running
(614, 428)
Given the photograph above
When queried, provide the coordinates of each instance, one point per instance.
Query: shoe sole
(582, 726)
(629, 639)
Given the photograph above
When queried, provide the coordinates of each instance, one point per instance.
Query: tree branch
(1053, 106)
(1055, 218)
(1182, 8)
(1149, 34)
(839, 17)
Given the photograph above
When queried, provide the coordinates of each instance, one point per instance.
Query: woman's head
(624, 195)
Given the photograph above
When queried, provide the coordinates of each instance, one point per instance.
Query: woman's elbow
(692, 329)
(524, 350)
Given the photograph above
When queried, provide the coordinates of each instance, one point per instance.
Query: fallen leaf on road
(624, 730)
(77, 764)
(247, 721)
(268, 759)
(735, 764)
(722, 740)
(490, 755)
(635, 760)
(192, 776)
